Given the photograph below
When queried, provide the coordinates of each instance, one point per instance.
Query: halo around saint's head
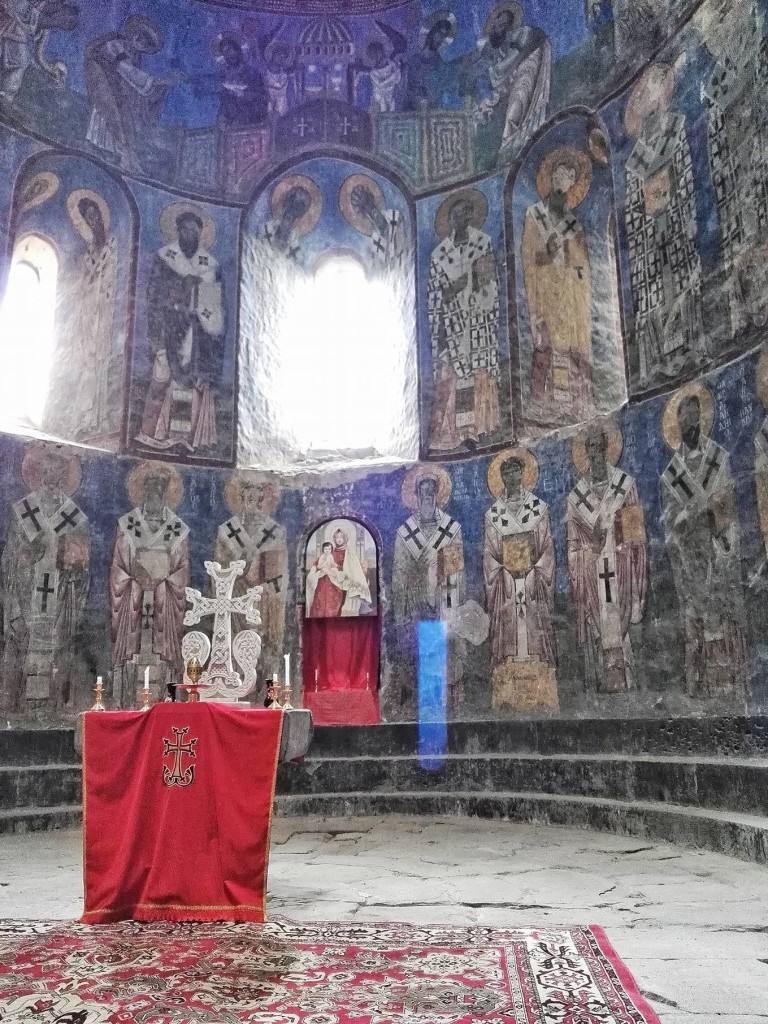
(137, 478)
(136, 24)
(505, 7)
(670, 428)
(79, 222)
(356, 220)
(614, 444)
(38, 454)
(220, 40)
(37, 190)
(652, 91)
(571, 157)
(331, 529)
(233, 492)
(469, 195)
(307, 221)
(761, 377)
(409, 491)
(172, 212)
(530, 469)
(443, 16)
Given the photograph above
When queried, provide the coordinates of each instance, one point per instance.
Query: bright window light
(343, 365)
(27, 333)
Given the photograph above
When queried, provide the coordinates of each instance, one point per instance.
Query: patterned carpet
(286, 973)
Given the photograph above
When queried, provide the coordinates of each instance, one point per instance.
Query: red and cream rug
(287, 973)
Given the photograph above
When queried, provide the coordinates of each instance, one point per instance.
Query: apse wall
(575, 198)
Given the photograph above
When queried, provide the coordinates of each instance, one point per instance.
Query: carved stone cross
(220, 679)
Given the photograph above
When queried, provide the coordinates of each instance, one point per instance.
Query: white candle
(146, 678)
(98, 680)
(274, 677)
(287, 670)
(317, 673)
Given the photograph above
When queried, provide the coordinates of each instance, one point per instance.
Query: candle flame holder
(98, 693)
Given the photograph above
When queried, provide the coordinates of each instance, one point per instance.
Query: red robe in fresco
(608, 581)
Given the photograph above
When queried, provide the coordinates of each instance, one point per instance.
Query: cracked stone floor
(691, 926)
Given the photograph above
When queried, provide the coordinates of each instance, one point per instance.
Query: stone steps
(739, 785)
(43, 785)
(40, 819)
(738, 835)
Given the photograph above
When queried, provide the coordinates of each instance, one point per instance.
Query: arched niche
(327, 360)
(564, 315)
(341, 624)
(88, 218)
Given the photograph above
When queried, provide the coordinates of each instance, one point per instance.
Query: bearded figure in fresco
(519, 576)
(252, 535)
(363, 207)
(185, 328)
(148, 576)
(295, 206)
(558, 287)
(430, 76)
(639, 26)
(698, 512)
(509, 76)
(736, 98)
(45, 581)
(428, 567)
(607, 559)
(660, 211)
(81, 406)
(463, 310)
(125, 99)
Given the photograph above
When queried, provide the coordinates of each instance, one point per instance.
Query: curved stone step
(40, 819)
(738, 835)
(720, 783)
(42, 785)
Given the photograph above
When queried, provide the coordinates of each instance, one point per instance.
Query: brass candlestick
(98, 693)
(274, 703)
(287, 706)
(144, 699)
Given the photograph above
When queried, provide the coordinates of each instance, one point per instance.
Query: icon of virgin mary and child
(337, 580)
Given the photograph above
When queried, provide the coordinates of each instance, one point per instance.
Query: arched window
(343, 363)
(27, 333)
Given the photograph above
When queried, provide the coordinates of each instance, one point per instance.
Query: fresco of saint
(295, 205)
(362, 205)
(509, 76)
(639, 26)
(148, 576)
(251, 534)
(701, 530)
(80, 407)
(737, 147)
(558, 288)
(186, 325)
(428, 579)
(519, 577)
(45, 579)
(607, 557)
(660, 215)
(125, 98)
(430, 76)
(25, 26)
(463, 310)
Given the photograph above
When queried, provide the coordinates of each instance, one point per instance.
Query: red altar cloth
(178, 834)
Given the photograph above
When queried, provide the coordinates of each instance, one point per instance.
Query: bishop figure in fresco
(148, 576)
(186, 324)
(519, 576)
(607, 559)
(660, 211)
(45, 578)
(558, 288)
(702, 535)
(252, 535)
(463, 310)
(428, 566)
